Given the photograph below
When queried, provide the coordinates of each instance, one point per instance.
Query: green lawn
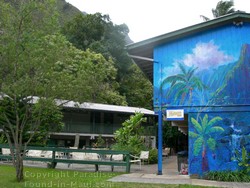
(41, 177)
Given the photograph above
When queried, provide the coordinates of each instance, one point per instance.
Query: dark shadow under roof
(142, 52)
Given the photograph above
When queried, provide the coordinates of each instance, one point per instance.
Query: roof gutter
(141, 58)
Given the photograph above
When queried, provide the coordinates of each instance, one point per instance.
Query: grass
(229, 176)
(42, 177)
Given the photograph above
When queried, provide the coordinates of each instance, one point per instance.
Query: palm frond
(204, 123)
(181, 92)
(197, 126)
(172, 79)
(177, 87)
(192, 134)
(215, 129)
(211, 123)
(198, 145)
(211, 143)
(223, 8)
(197, 83)
(181, 66)
(190, 73)
(204, 18)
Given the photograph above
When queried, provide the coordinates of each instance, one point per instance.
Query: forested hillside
(67, 11)
(99, 34)
(95, 54)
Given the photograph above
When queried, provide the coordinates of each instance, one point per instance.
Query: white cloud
(206, 55)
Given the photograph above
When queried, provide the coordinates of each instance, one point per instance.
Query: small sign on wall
(174, 114)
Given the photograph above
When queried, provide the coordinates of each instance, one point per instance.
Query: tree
(222, 8)
(171, 135)
(98, 33)
(137, 88)
(37, 66)
(183, 84)
(128, 137)
(23, 28)
(203, 135)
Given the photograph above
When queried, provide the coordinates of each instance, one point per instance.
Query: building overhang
(67, 104)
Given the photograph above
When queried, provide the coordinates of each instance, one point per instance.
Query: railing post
(53, 163)
(127, 163)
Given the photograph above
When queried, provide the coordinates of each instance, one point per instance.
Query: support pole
(159, 142)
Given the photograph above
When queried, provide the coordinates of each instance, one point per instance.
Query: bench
(98, 157)
(67, 159)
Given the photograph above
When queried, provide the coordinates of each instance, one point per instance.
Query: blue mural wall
(211, 68)
(215, 139)
(208, 74)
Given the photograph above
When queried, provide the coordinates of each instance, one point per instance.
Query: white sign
(175, 114)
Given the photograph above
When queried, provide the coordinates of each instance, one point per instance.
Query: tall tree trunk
(204, 160)
(19, 167)
(190, 96)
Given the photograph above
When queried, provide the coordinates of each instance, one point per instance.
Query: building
(204, 71)
(85, 122)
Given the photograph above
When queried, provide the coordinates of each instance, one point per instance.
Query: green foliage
(3, 139)
(184, 84)
(30, 49)
(223, 7)
(128, 137)
(243, 160)
(203, 133)
(153, 156)
(37, 61)
(198, 146)
(170, 135)
(137, 88)
(228, 176)
(100, 142)
(211, 144)
(20, 114)
(66, 11)
(86, 76)
(97, 33)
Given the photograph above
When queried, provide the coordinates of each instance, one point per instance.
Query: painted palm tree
(183, 84)
(222, 8)
(203, 135)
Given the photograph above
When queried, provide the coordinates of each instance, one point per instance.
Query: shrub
(3, 139)
(243, 160)
(100, 142)
(128, 137)
(153, 156)
(236, 176)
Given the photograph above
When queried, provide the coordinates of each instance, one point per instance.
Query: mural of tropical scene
(208, 77)
(208, 72)
(215, 141)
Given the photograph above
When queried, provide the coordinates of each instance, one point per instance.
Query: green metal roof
(142, 52)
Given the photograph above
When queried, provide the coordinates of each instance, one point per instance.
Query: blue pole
(159, 142)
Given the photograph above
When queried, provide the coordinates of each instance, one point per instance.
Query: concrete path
(166, 179)
(170, 175)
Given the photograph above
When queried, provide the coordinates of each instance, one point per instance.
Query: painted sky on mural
(199, 56)
(150, 18)
(209, 53)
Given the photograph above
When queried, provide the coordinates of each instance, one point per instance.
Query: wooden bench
(53, 160)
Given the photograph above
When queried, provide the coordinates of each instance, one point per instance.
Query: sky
(150, 18)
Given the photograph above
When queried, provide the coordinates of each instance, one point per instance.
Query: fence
(54, 155)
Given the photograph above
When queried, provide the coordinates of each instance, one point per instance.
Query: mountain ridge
(237, 79)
